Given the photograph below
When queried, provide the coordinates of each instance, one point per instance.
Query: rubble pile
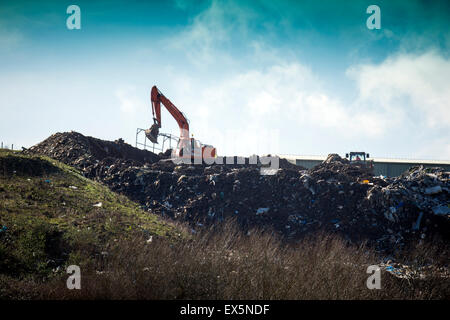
(413, 202)
(335, 196)
(81, 151)
(336, 168)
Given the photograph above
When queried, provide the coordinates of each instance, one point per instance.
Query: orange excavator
(187, 147)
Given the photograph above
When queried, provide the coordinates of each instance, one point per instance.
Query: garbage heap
(335, 196)
(80, 151)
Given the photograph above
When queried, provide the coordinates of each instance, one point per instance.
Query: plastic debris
(433, 190)
(441, 210)
(262, 210)
(417, 224)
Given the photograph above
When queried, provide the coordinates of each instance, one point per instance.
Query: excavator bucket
(152, 133)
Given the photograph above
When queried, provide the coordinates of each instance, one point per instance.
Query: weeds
(227, 264)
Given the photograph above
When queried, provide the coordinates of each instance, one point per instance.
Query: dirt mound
(81, 151)
(334, 196)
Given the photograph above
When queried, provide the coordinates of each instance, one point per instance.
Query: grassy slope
(48, 210)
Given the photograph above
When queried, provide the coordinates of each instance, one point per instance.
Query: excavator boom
(157, 98)
(185, 143)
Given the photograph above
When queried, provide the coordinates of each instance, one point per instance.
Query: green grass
(48, 210)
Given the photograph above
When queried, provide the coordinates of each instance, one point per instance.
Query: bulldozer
(360, 159)
(187, 147)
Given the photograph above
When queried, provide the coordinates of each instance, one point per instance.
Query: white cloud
(403, 99)
(9, 39)
(326, 112)
(214, 27)
(413, 84)
(130, 102)
(437, 149)
(291, 91)
(291, 98)
(245, 111)
(181, 4)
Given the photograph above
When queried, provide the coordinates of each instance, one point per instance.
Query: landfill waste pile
(403, 271)
(80, 151)
(335, 196)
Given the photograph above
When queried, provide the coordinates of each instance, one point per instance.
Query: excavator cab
(360, 159)
(195, 150)
(357, 156)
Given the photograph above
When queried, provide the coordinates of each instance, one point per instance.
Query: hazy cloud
(130, 102)
(415, 83)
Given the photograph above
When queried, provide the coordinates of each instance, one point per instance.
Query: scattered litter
(417, 224)
(441, 210)
(262, 210)
(98, 205)
(433, 190)
(389, 215)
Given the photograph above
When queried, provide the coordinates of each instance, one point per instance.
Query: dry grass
(226, 264)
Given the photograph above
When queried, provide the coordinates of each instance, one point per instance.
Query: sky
(252, 77)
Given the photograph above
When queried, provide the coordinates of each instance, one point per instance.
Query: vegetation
(51, 216)
(53, 219)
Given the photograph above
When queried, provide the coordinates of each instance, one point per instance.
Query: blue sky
(289, 77)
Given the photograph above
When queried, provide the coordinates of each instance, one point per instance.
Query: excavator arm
(187, 147)
(157, 98)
